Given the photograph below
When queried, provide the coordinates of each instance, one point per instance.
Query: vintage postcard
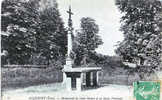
(81, 50)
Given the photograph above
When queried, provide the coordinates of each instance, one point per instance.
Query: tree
(142, 42)
(19, 20)
(35, 33)
(87, 40)
(51, 39)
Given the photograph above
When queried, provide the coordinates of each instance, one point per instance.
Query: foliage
(140, 26)
(51, 38)
(87, 40)
(19, 22)
(34, 32)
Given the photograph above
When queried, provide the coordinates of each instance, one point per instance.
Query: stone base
(68, 84)
(69, 62)
(73, 77)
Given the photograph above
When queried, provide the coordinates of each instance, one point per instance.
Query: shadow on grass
(84, 88)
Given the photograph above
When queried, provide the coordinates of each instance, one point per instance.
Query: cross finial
(70, 13)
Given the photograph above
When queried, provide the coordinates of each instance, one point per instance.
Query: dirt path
(57, 92)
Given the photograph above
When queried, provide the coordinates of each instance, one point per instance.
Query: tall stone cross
(69, 61)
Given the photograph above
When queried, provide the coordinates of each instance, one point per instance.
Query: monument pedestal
(68, 66)
(74, 77)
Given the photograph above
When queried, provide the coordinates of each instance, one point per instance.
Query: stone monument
(69, 61)
(77, 78)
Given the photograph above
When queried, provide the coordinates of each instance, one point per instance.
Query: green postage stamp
(147, 90)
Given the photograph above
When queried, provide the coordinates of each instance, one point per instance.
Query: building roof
(82, 69)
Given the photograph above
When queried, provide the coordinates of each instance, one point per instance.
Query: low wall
(117, 76)
(27, 76)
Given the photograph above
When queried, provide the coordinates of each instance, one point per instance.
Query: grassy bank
(23, 77)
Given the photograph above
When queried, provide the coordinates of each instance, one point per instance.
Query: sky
(105, 13)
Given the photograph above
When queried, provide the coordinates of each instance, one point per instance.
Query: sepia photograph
(81, 50)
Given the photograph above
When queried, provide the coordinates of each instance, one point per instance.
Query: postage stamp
(147, 90)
